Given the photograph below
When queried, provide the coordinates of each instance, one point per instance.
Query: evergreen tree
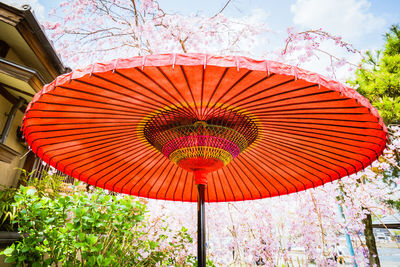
(379, 78)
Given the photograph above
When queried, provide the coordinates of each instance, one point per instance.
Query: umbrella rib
(131, 106)
(241, 159)
(149, 152)
(128, 110)
(268, 118)
(207, 194)
(289, 150)
(130, 89)
(83, 118)
(257, 154)
(250, 102)
(324, 145)
(322, 129)
(88, 112)
(116, 92)
(186, 110)
(267, 159)
(296, 110)
(86, 128)
(172, 179)
(223, 190)
(162, 161)
(184, 185)
(283, 112)
(263, 108)
(107, 99)
(190, 90)
(215, 89)
(142, 157)
(82, 143)
(227, 91)
(192, 188)
(214, 186)
(177, 184)
(44, 145)
(326, 124)
(176, 89)
(79, 134)
(87, 149)
(202, 94)
(166, 178)
(286, 115)
(273, 176)
(303, 149)
(103, 156)
(261, 91)
(117, 118)
(214, 178)
(319, 138)
(238, 175)
(290, 98)
(71, 123)
(130, 155)
(279, 153)
(280, 129)
(235, 181)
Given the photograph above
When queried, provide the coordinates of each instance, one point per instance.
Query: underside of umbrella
(146, 126)
(239, 128)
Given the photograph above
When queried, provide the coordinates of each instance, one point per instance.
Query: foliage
(90, 229)
(7, 211)
(49, 185)
(379, 78)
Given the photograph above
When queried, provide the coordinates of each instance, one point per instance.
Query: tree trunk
(370, 241)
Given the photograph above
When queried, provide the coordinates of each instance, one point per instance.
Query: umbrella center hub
(200, 145)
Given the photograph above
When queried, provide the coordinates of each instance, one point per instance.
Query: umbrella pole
(201, 230)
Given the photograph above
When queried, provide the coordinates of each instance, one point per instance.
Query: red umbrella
(240, 129)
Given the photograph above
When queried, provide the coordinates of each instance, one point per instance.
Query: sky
(360, 22)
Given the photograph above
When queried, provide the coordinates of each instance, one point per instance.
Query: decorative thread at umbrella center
(200, 145)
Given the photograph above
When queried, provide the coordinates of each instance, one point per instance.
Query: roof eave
(29, 28)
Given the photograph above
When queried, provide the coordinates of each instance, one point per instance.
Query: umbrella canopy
(148, 126)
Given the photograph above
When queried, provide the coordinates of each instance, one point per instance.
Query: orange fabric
(311, 130)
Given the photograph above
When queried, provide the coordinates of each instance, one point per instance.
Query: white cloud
(350, 19)
(37, 8)
(258, 15)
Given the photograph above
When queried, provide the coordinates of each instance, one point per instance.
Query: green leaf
(30, 192)
(48, 261)
(8, 251)
(11, 259)
(81, 236)
(92, 239)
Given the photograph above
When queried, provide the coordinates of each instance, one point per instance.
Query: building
(27, 62)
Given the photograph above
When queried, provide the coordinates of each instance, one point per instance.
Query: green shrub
(86, 229)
